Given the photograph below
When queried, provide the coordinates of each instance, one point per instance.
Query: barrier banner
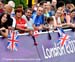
(57, 49)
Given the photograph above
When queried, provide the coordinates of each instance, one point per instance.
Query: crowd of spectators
(43, 16)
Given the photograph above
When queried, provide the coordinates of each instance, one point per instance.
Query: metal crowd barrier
(56, 49)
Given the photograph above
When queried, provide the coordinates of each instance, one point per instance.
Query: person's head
(20, 6)
(34, 7)
(41, 3)
(4, 18)
(1, 4)
(72, 6)
(61, 4)
(58, 13)
(54, 2)
(48, 5)
(11, 3)
(61, 9)
(45, 5)
(73, 13)
(68, 3)
(50, 20)
(39, 10)
(7, 9)
(18, 12)
(28, 12)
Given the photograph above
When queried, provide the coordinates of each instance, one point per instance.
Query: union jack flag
(12, 41)
(63, 37)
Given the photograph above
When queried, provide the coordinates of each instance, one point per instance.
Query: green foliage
(23, 2)
(17, 2)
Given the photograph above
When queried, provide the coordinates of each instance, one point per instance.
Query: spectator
(20, 6)
(4, 24)
(72, 21)
(8, 9)
(68, 6)
(44, 4)
(38, 18)
(12, 4)
(47, 10)
(48, 6)
(58, 19)
(54, 3)
(20, 22)
(1, 7)
(27, 17)
(61, 4)
(51, 9)
(72, 6)
(46, 14)
(34, 8)
(50, 24)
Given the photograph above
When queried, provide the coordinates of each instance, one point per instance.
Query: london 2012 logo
(65, 44)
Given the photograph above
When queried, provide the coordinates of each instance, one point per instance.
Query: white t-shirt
(29, 23)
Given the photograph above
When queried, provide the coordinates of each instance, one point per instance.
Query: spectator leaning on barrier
(72, 21)
(62, 14)
(8, 9)
(58, 20)
(21, 24)
(50, 24)
(4, 24)
(27, 17)
(29, 21)
(38, 19)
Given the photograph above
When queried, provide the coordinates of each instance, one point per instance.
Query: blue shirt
(38, 20)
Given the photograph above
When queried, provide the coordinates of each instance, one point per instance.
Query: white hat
(11, 3)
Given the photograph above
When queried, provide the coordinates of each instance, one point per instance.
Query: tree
(23, 2)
